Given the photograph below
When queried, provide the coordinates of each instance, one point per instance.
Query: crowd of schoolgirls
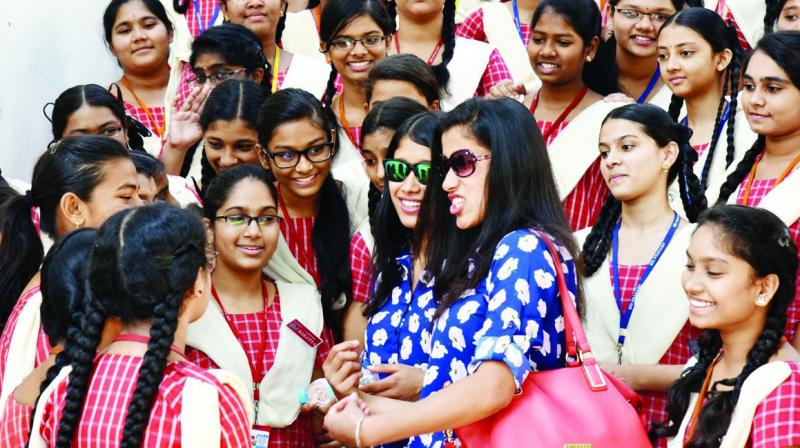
(243, 221)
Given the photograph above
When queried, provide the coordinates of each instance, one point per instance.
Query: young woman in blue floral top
(499, 316)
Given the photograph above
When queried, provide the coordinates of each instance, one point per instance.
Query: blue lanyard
(650, 87)
(625, 315)
(517, 22)
(717, 132)
(200, 19)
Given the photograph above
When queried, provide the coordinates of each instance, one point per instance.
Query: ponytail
(449, 43)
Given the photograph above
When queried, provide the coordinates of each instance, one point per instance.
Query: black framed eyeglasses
(262, 221)
(348, 43)
(658, 18)
(462, 162)
(201, 78)
(397, 170)
(289, 158)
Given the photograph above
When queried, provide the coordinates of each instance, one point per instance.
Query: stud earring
(761, 300)
(588, 59)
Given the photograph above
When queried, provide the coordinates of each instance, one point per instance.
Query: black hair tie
(29, 201)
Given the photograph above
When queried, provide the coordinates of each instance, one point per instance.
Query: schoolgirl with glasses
(240, 330)
(492, 198)
(628, 59)
(298, 141)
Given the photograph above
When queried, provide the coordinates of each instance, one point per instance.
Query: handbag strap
(577, 344)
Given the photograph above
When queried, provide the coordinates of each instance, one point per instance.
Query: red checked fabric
(251, 327)
(758, 190)
(42, 344)
(655, 403)
(360, 259)
(15, 424)
(110, 391)
(725, 12)
(582, 206)
(496, 72)
(138, 113)
(206, 13)
(778, 416)
(472, 28)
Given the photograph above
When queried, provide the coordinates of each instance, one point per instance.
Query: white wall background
(46, 46)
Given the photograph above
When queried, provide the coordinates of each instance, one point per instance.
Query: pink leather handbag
(575, 406)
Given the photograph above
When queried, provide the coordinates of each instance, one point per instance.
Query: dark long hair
(336, 15)
(122, 286)
(782, 49)
(773, 13)
(234, 99)
(762, 240)
(658, 125)
(584, 17)
(93, 95)
(387, 115)
(720, 37)
(604, 79)
(409, 68)
(72, 165)
(389, 233)
(520, 193)
(331, 234)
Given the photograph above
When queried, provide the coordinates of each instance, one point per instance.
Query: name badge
(304, 333)
(259, 438)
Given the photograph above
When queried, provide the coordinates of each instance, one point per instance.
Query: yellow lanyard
(159, 127)
(275, 64)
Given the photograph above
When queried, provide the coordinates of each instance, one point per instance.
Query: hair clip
(785, 240)
(44, 111)
(52, 147)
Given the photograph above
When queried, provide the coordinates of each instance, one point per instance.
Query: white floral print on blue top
(512, 316)
(400, 332)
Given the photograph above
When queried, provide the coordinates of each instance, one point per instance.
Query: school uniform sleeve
(472, 27)
(200, 359)
(361, 268)
(524, 326)
(496, 72)
(777, 419)
(15, 423)
(234, 425)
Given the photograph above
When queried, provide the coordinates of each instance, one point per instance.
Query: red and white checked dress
(15, 424)
(758, 190)
(679, 353)
(472, 28)
(42, 344)
(253, 328)
(583, 204)
(207, 8)
(110, 391)
(777, 419)
(139, 114)
(297, 232)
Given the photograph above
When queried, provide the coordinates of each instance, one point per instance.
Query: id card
(259, 438)
(304, 333)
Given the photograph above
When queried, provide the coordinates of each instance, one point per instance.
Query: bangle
(358, 431)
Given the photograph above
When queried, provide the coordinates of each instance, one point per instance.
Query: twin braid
(691, 189)
(742, 169)
(598, 242)
(713, 145)
(373, 197)
(771, 15)
(81, 347)
(734, 69)
(330, 90)
(162, 333)
(449, 43)
(675, 106)
(281, 24)
(207, 174)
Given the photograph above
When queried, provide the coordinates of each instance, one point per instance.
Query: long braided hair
(656, 124)
(782, 49)
(720, 37)
(336, 15)
(120, 285)
(762, 240)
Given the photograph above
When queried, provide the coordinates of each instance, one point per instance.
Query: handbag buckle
(594, 376)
